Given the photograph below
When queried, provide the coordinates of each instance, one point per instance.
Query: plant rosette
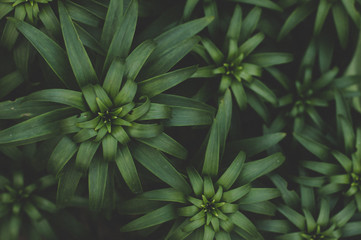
(113, 119)
(215, 208)
(341, 11)
(237, 66)
(23, 208)
(309, 216)
(340, 170)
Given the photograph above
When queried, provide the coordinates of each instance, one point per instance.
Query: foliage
(189, 119)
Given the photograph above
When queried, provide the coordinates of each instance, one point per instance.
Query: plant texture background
(180, 120)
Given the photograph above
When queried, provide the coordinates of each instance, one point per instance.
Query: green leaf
(44, 204)
(138, 130)
(188, 116)
(322, 12)
(85, 154)
(166, 144)
(137, 58)
(264, 208)
(211, 158)
(113, 20)
(174, 36)
(213, 51)
(165, 194)
(174, 100)
(246, 225)
(110, 146)
(253, 146)
(351, 229)
(270, 58)
(261, 3)
(341, 23)
(35, 129)
(236, 193)
(319, 150)
(250, 23)
(289, 197)
(263, 91)
(157, 111)
(126, 94)
(5, 9)
(324, 215)
(68, 183)
(154, 218)
(277, 226)
(255, 169)
(80, 14)
(251, 44)
(50, 21)
(168, 59)
(196, 181)
(10, 82)
(239, 94)
(52, 53)
(63, 96)
(231, 174)
(342, 217)
(257, 195)
(294, 217)
(156, 163)
(223, 118)
(296, 17)
(235, 24)
(114, 77)
(126, 166)
(98, 175)
(62, 153)
(321, 167)
(123, 36)
(89, 40)
(78, 57)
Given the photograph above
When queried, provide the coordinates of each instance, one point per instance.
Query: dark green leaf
(98, 175)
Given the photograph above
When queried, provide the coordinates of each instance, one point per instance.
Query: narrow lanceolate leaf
(110, 145)
(165, 194)
(68, 183)
(62, 153)
(156, 85)
(234, 28)
(5, 8)
(296, 17)
(188, 116)
(255, 145)
(166, 144)
(177, 34)
(78, 57)
(49, 20)
(270, 58)
(257, 195)
(224, 117)
(98, 175)
(63, 96)
(156, 163)
(319, 150)
(246, 225)
(154, 218)
(137, 58)
(196, 181)
(114, 77)
(236, 193)
(35, 129)
(297, 219)
(126, 166)
(10, 82)
(123, 37)
(211, 159)
(262, 90)
(85, 155)
(232, 172)
(345, 214)
(169, 58)
(52, 53)
(262, 3)
(255, 169)
(112, 21)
